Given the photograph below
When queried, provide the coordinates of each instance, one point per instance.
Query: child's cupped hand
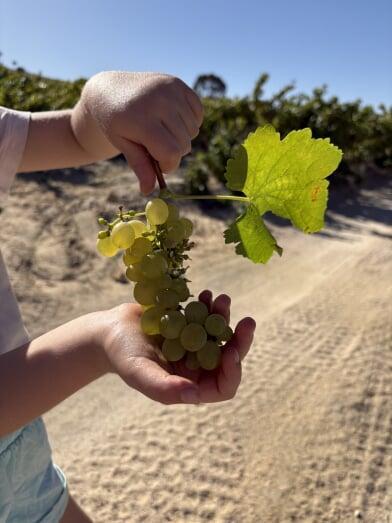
(145, 115)
(135, 358)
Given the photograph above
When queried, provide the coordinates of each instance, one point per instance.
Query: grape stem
(169, 194)
(244, 199)
(120, 218)
(158, 172)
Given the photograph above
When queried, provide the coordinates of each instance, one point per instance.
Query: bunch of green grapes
(154, 256)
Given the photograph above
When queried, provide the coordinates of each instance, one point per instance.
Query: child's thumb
(158, 384)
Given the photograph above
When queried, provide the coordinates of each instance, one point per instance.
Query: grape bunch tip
(154, 253)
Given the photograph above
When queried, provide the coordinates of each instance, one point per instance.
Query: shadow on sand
(347, 207)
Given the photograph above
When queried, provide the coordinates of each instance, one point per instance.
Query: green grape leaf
(252, 237)
(286, 177)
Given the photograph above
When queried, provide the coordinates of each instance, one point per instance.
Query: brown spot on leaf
(315, 193)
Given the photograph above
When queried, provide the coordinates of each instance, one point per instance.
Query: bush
(33, 92)
(363, 133)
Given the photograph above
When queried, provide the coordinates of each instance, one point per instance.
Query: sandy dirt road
(308, 437)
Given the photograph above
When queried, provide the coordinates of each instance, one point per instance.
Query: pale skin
(146, 116)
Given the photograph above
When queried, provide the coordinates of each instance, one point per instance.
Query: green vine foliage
(362, 132)
(33, 92)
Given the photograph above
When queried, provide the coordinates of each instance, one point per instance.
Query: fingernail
(190, 395)
(236, 356)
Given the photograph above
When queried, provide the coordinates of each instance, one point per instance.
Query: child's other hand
(134, 358)
(143, 114)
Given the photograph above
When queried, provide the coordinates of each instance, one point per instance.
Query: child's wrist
(87, 128)
(99, 328)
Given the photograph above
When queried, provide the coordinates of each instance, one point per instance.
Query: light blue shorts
(32, 488)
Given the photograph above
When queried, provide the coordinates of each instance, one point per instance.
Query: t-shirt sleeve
(14, 126)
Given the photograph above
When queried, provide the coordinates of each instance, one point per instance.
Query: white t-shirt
(14, 126)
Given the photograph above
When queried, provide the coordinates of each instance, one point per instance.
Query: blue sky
(346, 44)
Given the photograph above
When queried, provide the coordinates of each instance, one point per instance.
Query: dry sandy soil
(308, 438)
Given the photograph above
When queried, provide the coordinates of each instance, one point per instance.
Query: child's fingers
(229, 375)
(221, 306)
(176, 126)
(243, 337)
(190, 122)
(206, 297)
(163, 147)
(195, 104)
(151, 379)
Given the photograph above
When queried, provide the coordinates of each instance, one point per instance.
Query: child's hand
(142, 114)
(134, 357)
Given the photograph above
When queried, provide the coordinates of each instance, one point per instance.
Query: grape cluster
(154, 256)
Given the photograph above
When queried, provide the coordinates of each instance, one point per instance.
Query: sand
(308, 438)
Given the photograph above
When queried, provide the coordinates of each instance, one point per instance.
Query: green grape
(172, 350)
(153, 265)
(157, 211)
(215, 324)
(173, 213)
(141, 246)
(103, 234)
(175, 233)
(139, 228)
(209, 356)
(196, 312)
(193, 337)
(144, 293)
(134, 272)
(171, 324)
(191, 361)
(123, 235)
(150, 320)
(129, 259)
(163, 282)
(226, 335)
(106, 247)
(188, 227)
(179, 285)
(168, 299)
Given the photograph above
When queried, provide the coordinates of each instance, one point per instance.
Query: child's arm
(36, 377)
(138, 114)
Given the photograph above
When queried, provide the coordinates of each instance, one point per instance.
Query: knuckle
(170, 82)
(175, 82)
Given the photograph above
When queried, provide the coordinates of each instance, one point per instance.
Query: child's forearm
(58, 139)
(145, 116)
(37, 376)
